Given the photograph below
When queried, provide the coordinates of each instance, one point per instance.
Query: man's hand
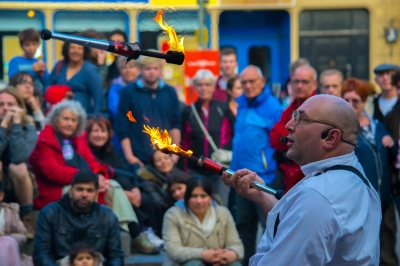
(39, 67)
(387, 141)
(134, 160)
(104, 184)
(5, 123)
(18, 114)
(33, 102)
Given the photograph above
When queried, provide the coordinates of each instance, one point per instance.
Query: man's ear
(332, 138)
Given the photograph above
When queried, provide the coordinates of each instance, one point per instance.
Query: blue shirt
(86, 85)
(19, 63)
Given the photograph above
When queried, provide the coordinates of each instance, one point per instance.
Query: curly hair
(362, 88)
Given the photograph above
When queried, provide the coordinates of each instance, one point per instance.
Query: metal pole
(201, 22)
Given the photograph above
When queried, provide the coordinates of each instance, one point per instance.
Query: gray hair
(309, 68)
(75, 107)
(203, 74)
(256, 68)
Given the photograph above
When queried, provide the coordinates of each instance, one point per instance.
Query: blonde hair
(20, 101)
(147, 60)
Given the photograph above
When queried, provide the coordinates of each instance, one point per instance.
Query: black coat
(59, 226)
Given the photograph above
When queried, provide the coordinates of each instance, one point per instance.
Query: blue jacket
(155, 108)
(375, 161)
(251, 146)
(86, 85)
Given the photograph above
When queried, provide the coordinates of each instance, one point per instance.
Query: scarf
(209, 221)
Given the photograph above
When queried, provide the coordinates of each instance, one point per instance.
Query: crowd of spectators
(69, 151)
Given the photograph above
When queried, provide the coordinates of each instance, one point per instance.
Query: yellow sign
(179, 2)
(205, 35)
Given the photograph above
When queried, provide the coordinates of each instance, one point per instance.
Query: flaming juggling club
(130, 50)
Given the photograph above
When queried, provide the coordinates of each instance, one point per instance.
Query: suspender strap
(332, 168)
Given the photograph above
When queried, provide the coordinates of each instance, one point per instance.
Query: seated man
(77, 218)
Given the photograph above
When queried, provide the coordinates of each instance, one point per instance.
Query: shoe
(154, 238)
(142, 244)
(27, 220)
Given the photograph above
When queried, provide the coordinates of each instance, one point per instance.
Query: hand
(387, 141)
(68, 95)
(33, 102)
(208, 255)
(104, 184)
(134, 160)
(227, 256)
(241, 181)
(39, 66)
(101, 57)
(175, 158)
(5, 123)
(18, 114)
(135, 197)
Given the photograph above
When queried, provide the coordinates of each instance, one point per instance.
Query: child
(12, 234)
(82, 254)
(29, 41)
(177, 186)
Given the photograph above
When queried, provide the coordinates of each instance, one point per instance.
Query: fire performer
(331, 216)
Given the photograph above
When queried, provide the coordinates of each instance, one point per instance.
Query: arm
(12, 67)
(279, 130)
(42, 251)
(3, 140)
(19, 232)
(113, 252)
(233, 241)
(39, 117)
(22, 143)
(307, 247)
(113, 99)
(95, 86)
(51, 79)
(176, 136)
(173, 244)
(176, 122)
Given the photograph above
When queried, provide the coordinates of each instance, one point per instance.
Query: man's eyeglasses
(297, 117)
(251, 81)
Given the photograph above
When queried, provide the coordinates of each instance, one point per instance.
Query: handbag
(220, 156)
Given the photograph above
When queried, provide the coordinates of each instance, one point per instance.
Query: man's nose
(290, 126)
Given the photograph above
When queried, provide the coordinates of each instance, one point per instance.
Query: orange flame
(162, 141)
(130, 117)
(174, 43)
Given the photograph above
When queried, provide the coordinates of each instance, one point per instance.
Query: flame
(174, 43)
(130, 117)
(162, 141)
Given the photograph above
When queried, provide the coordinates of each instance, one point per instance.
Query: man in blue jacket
(258, 111)
(149, 101)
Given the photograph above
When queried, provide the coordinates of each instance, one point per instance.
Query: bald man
(258, 111)
(332, 215)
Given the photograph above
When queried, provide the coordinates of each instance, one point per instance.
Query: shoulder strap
(332, 168)
(203, 128)
(59, 65)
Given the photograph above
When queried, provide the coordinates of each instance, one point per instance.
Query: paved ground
(144, 260)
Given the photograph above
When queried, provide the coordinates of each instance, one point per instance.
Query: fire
(162, 141)
(174, 43)
(130, 117)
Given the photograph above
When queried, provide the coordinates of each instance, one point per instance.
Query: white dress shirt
(329, 219)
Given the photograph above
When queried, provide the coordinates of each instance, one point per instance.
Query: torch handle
(257, 185)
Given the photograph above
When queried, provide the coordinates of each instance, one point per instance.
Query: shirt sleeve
(303, 237)
(12, 67)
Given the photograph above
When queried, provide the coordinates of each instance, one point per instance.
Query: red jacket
(288, 168)
(51, 172)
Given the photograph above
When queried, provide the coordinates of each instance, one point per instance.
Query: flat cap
(385, 67)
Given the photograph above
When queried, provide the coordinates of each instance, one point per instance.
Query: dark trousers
(147, 216)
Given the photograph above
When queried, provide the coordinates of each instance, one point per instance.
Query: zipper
(264, 159)
(378, 165)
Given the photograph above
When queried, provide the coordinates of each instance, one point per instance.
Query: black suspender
(332, 168)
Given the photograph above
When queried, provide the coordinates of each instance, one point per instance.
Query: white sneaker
(154, 239)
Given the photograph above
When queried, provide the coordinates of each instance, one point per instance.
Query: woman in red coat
(60, 151)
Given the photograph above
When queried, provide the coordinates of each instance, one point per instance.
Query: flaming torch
(131, 50)
(162, 141)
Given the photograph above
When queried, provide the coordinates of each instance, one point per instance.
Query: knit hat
(56, 93)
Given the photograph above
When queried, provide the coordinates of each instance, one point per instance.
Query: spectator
(77, 217)
(177, 185)
(29, 41)
(214, 117)
(23, 82)
(80, 75)
(388, 99)
(17, 141)
(228, 63)
(234, 90)
(129, 71)
(13, 234)
(331, 82)
(155, 178)
(151, 101)
(82, 254)
(113, 69)
(303, 86)
(287, 97)
(258, 111)
(199, 232)
(99, 140)
(374, 141)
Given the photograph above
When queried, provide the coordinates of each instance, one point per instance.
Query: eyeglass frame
(310, 120)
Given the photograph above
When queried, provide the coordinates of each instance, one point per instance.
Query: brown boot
(27, 220)
(142, 244)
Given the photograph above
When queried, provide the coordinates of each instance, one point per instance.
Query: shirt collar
(310, 168)
(140, 83)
